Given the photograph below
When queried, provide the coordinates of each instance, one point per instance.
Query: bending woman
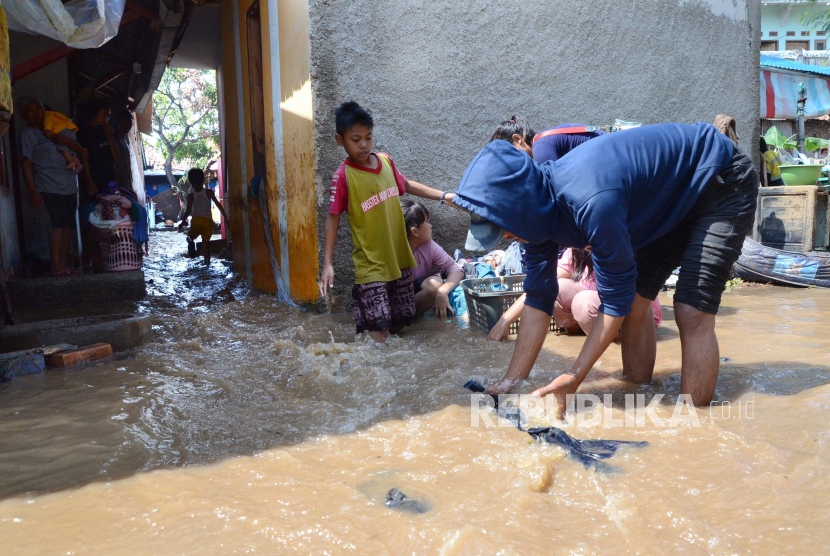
(575, 269)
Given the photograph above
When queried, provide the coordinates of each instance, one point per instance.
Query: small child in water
(61, 130)
(431, 291)
(198, 203)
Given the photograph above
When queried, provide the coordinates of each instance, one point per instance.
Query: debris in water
(587, 452)
(397, 500)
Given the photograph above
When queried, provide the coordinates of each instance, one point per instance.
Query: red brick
(81, 355)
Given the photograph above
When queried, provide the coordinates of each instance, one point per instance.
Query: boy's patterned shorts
(381, 305)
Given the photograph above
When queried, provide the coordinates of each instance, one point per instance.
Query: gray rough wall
(439, 76)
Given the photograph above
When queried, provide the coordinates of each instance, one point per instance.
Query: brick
(81, 355)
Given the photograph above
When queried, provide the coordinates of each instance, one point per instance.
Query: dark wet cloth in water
(588, 452)
(397, 500)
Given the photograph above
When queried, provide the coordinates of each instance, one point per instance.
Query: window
(773, 33)
(769, 45)
(820, 33)
(805, 33)
(821, 45)
(790, 33)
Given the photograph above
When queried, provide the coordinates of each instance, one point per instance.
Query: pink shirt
(566, 263)
(432, 259)
(590, 283)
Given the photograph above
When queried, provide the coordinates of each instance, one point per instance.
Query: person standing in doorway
(101, 152)
(98, 157)
(123, 164)
(198, 204)
(50, 184)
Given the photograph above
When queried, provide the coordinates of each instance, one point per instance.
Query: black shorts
(379, 306)
(707, 242)
(61, 209)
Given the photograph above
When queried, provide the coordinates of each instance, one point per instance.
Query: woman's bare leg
(639, 342)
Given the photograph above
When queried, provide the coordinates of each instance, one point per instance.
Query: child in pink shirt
(577, 304)
(430, 290)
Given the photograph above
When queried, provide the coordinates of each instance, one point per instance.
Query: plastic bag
(79, 24)
(785, 158)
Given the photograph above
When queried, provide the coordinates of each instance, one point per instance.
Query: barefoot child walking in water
(367, 186)
(198, 203)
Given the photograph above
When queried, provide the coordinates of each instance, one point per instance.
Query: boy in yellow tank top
(367, 186)
(198, 204)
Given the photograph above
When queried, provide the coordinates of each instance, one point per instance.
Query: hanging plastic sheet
(79, 23)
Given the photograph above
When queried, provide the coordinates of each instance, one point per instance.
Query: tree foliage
(818, 19)
(185, 118)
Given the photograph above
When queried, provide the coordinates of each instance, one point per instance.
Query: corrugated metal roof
(780, 63)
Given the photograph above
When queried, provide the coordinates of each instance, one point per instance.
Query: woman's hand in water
(499, 332)
(560, 387)
(326, 279)
(442, 304)
(504, 386)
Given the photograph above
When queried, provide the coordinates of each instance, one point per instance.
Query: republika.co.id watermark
(591, 411)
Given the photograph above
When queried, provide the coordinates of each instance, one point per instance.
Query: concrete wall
(288, 145)
(439, 76)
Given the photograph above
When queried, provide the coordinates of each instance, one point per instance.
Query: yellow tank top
(376, 219)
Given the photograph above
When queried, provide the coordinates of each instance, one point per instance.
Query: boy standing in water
(367, 186)
(198, 203)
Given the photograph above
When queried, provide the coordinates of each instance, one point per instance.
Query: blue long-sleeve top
(554, 147)
(616, 193)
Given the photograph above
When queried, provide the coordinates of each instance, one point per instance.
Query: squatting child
(367, 186)
(431, 291)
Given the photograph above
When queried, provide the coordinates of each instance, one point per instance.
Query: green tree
(185, 118)
(818, 19)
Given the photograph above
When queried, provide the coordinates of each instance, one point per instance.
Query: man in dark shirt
(101, 152)
(99, 158)
(123, 165)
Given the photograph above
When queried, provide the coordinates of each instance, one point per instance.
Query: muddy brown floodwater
(249, 427)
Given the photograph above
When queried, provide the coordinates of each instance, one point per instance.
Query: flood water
(249, 427)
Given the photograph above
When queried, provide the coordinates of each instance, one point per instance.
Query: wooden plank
(40, 61)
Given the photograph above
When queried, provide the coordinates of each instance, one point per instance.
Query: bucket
(800, 174)
(118, 250)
